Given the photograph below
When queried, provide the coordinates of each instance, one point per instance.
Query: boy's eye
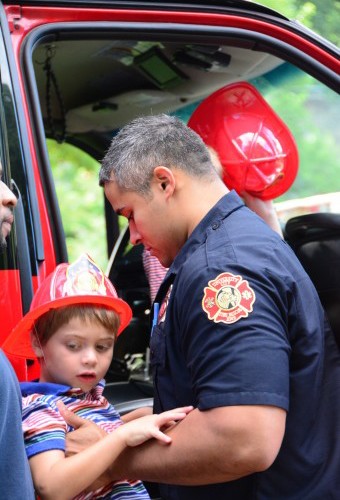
(73, 346)
(104, 347)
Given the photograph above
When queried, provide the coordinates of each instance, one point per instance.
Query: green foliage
(322, 16)
(81, 201)
(309, 109)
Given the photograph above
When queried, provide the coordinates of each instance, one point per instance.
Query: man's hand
(85, 432)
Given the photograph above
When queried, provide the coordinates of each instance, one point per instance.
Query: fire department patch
(164, 306)
(228, 298)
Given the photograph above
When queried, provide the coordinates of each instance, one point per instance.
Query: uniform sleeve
(43, 426)
(236, 349)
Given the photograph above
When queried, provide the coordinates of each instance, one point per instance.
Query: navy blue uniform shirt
(240, 323)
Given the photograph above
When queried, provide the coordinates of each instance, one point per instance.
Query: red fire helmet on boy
(255, 147)
(82, 282)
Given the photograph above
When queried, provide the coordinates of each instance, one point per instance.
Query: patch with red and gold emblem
(164, 306)
(228, 298)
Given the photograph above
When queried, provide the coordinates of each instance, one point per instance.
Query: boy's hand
(142, 429)
(135, 432)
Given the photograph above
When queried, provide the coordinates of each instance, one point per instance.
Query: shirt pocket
(158, 346)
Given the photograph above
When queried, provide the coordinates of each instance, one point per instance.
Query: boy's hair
(148, 142)
(50, 322)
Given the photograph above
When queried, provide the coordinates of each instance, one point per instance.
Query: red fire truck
(74, 72)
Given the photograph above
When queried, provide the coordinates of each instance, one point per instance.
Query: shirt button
(216, 225)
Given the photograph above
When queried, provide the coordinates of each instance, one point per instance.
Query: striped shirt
(154, 272)
(45, 429)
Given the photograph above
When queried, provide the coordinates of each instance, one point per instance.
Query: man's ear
(165, 179)
(36, 346)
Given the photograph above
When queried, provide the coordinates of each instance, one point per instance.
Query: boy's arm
(59, 478)
(91, 433)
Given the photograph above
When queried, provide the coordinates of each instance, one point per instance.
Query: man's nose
(135, 237)
(7, 197)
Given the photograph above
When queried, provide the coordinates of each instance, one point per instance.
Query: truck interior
(84, 82)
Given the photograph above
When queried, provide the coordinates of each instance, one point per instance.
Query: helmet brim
(18, 343)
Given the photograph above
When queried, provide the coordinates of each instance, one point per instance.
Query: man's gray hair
(148, 142)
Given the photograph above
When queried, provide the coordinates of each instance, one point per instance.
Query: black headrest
(315, 238)
(312, 227)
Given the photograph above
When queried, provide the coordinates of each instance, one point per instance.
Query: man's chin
(166, 262)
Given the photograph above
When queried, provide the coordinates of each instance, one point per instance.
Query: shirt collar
(47, 388)
(221, 210)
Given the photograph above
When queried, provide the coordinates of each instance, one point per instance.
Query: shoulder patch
(228, 298)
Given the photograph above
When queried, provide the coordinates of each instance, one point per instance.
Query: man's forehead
(114, 195)
(111, 188)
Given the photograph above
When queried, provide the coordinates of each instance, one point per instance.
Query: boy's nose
(90, 357)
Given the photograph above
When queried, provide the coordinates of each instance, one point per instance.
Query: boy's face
(78, 354)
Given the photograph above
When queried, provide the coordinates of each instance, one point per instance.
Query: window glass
(310, 110)
(81, 201)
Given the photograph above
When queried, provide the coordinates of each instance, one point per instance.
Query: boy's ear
(36, 346)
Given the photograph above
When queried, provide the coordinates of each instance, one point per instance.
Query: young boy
(73, 322)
